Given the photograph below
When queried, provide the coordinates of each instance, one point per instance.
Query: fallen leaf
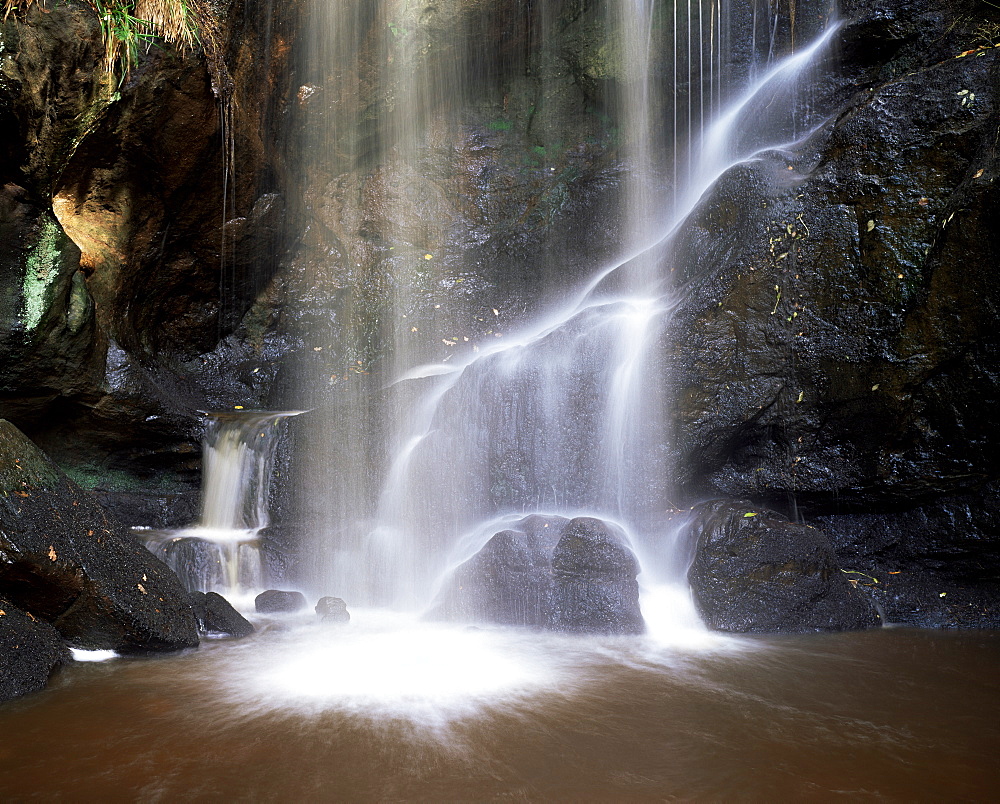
(52, 553)
(978, 173)
(750, 514)
(141, 588)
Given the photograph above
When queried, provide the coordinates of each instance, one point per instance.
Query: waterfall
(566, 414)
(221, 552)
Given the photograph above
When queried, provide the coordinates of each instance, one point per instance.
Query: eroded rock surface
(64, 560)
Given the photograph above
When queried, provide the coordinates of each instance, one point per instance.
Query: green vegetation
(41, 272)
(131, 25)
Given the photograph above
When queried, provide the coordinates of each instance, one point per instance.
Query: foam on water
(81, 655)
(390, 667)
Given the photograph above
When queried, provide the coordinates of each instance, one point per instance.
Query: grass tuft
(133, 26)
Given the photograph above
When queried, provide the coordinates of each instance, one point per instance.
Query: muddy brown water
(310, 714)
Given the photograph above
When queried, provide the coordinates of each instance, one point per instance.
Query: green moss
(90, 477)
(42, 270)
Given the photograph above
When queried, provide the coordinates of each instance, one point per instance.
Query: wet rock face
(933, 566)
(840, 343)
(836, 354)
(65, 561)
(756, 572)
(552, 573)
(30, 650)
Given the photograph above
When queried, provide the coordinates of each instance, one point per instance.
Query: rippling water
(389, 708)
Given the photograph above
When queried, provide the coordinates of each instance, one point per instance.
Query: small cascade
(221, 552)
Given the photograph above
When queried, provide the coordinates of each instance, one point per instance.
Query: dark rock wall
(836, 355)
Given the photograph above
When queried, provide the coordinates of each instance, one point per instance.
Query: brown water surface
(898, 714)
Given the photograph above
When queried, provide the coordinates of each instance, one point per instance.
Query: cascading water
(569, 415)
(221, 552)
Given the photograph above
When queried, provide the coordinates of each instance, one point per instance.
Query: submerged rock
(552, 573)
(65, 560)
(30, 650)
(756, 572)
(275, 601)
(332, 610)
(216, 615)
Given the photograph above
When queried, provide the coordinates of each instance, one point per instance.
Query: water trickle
(221, 552)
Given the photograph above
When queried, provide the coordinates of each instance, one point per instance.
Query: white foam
(81, 655)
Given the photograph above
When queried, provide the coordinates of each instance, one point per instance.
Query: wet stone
(332, 610)
(277, 601)
(217, 616)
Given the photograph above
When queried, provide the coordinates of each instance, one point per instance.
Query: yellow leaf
(52, 553)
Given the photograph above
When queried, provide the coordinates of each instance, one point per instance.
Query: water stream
(221, 552)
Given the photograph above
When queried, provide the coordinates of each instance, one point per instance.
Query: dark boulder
(756, 572)
(66, 561)
(508, 582)
(216, 615)
(275, 601)
(552, 573)
(332, 610)
(594, 579)
(29, 651)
